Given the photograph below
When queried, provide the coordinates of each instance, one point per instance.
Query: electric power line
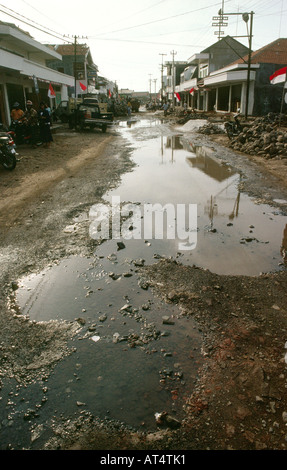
(275, 13)
(142, 42)
(39, 27)
(57, 35)
(62, 37)
(52, 33)
(165, 19)
(138, 12)
(38, 11)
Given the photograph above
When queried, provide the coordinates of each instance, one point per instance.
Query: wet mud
(143, 344)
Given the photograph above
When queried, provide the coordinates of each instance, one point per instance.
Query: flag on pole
(51, 92)
(279, 76)
(110, 95)
(83, 86)
(177, 96)
(191, 91)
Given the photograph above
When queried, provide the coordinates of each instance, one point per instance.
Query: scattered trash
(103, 318)
(70, 228)
(167, 320)
(114, 276)
(95, 338)
(139, 262)
(112, 257)
(143, 284)
(126, 308)
(121, 245)
(116, 337)
(164, 419)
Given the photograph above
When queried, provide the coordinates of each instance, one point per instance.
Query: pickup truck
(64, 110)
(90, 114)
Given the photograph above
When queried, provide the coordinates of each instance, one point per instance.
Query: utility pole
(155, 80)
(75, 65)
(220, 22)
(245, 16)
(173, 53)
(150, 86)
(75, 68)
(162, 76)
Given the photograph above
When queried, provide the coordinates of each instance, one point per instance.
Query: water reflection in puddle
(236, 235)
(129, 365)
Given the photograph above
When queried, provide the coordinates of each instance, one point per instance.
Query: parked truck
(87, 112)
(135, 105)
(90, 114)
(64, 110)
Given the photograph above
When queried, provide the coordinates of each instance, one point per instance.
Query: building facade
(192, 87)
(231, 81)
(220, 78)
(174, 70)
(24, 74)
(76, 60)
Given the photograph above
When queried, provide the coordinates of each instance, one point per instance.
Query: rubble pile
(211, 129)
(264, 137)
(184, 116)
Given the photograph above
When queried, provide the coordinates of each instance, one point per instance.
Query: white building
(24, 74)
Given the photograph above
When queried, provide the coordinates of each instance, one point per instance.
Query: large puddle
(130, 361)
(235, 234)
(130, 364)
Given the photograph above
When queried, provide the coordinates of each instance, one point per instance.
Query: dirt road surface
(239, 401)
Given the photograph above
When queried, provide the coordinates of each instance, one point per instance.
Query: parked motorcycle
(18, 129)
(233, 128)
(22, 132)
(7, 150)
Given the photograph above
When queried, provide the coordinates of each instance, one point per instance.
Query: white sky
(126, 37)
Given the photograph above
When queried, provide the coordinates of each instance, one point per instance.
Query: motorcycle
(18, 131)
(7, 150)
(233, 128)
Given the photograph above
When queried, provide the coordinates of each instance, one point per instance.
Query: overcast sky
(127, 37)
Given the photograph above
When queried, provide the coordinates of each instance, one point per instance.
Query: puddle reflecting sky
(234, 236)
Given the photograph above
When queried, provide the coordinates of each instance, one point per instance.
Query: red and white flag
(279, 76)
(83, 86)
(191, 91)
(51, 92)
(177, 96)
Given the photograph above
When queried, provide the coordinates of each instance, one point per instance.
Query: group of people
(36, 124)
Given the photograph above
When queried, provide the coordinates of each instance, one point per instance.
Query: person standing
(16, 112)
(16, 125)
(165, 108)
(45, 125)
(31, 121)
(129, 108)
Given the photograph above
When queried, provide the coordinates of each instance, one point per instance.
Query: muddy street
(129, 321)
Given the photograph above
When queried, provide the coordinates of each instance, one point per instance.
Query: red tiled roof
(69, 49)
(273, 53)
